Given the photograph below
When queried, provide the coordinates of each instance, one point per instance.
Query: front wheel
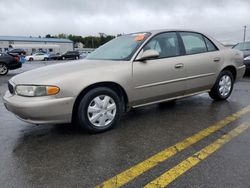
(3, 69)
(99, 110)
(223, 86)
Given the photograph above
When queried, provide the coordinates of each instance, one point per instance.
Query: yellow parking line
(131, 173)
(188, 163)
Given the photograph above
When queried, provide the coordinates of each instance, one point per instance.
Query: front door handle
(179, 66)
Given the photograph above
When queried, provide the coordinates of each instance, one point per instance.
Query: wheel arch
(6, 64)
(111, 85)
(2, 62)
(232, 69)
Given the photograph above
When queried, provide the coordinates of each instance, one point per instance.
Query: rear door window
(193, 43)
(210, 46)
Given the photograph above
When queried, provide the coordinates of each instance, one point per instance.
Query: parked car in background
(245, 48)
(54, 56)
(70, 55)
(83, 55)
(127, 72)
(37, 57)
(8, 62)
(17, 51)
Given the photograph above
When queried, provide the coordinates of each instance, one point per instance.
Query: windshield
(242, 46)
(120, 48)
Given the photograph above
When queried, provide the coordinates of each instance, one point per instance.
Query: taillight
(17, 59)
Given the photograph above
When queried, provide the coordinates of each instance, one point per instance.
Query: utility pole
(92, 42)
(244, 36)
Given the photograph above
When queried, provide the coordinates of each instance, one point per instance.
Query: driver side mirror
(148, 54)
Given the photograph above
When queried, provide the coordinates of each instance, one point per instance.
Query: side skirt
(169, 99)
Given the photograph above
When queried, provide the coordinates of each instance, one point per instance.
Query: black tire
(82, 113)
(31, 59)
(63, 58)
(76, 57)
(215, 91)
(46, 59)
(3, 69)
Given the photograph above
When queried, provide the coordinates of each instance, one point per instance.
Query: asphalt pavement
(193, 142)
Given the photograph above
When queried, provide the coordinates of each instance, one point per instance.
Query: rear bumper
(40, 110)
(240, 72)
(13, 66)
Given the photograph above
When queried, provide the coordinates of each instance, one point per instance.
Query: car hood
(53, 74)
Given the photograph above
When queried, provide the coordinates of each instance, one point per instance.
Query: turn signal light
(52, 90)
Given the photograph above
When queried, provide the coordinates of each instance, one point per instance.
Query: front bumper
(40, 110)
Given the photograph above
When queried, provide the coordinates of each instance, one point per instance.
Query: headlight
(36, 91)
(247, 58)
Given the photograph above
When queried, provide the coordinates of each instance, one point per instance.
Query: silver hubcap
(101, 111)
(225, 85)
(3, 69)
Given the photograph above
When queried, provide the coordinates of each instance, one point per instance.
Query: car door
(69, 55)
(162, 77)
(73, 55)
(202, 61)
(38, 57)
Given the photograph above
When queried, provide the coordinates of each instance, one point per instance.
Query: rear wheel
(99, 110)
(223, 86)
(3, 69)
(77, 57)
(31, 59)
(63, 58)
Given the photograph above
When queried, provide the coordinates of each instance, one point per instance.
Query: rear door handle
(217, 59)
(179, 66)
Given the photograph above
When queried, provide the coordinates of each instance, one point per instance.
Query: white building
(79, 45)
(34, 44)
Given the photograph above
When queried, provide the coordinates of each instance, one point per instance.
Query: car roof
(166, 30)
(17, 49)
(155, 32)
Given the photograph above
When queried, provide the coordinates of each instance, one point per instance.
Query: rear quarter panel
(234, 58)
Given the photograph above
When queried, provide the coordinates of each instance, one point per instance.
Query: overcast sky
(222, 19)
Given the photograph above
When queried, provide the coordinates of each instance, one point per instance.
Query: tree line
(88, 42)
